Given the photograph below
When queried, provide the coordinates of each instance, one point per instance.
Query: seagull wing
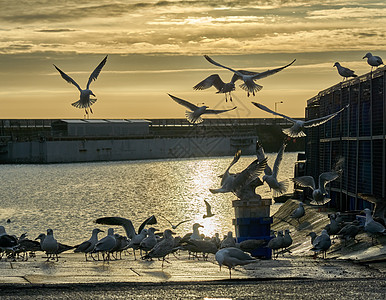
(94, 75)
(325, 178)
(322, 120)
(249, 174)
(278, 160)
(125, 223)
(208, 208)
(68, 78)
(185, 103)
(262, 107)
(270, 72)
(369, 197)
(305, 181)
(149, 221)
(167, 220)
(218, 111)
(212, 80)
(182, 223)
(220, 65)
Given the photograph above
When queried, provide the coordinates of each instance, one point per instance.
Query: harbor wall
(123, 149)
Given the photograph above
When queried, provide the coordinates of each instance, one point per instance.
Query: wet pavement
(349, 267)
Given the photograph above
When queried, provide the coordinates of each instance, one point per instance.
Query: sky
(157, 47)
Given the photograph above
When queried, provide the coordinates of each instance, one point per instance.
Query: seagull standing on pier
(373, 61)
(248, 77)
(195, 113)
(297, 130)
(85, 101)
(344, 72)
(232, 257)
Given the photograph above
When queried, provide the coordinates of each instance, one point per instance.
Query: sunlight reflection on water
(69, 197)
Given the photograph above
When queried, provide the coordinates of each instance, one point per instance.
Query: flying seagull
(221, 86)
(248, 77)
(208, 210)
(178, 224)
(85, 101)
(297, 130)
(319, 195)
(194, 115)
(344, 72)
(270, 176)
(373, 61)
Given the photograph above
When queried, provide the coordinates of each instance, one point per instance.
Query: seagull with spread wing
(85, 101)
(178, 224)
(248, 77)
(195, 113)
(221, 86)
(319, 195)
(208, 210)
(270, 177)
(297, 130)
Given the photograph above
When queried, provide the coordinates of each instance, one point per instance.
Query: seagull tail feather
(78, 104)
(192, 119)
(293, 133)
(283, 186)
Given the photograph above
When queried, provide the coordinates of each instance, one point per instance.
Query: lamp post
(276, 103)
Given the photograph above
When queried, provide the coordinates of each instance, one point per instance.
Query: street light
(276, 103)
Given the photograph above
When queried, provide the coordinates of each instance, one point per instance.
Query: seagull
(221, 86)
(298, 212)
(204, 247)
(232, 257)
(195, 113)
(229, 241)
(208, 210)
(297, 130)
(251, 245)
(287, 240)
(89, 245)
(379, 207)
(313, 236)
(333, 227)
(373, 61)
(7, 242)
(276, 243)
(322, 243)
(126, 224)
(344, 72)
(163, 248)
(196, 234)
(178, 224)
(150, 241)
(270, 176)
(372, 227)
(85, 101)
(136, 241)
(50, 245)
(106, 245)
(227, 178)
(350, 231)
(319, 195)
(248, 77)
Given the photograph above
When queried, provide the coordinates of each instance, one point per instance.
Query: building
(75, 140)
(358, 135)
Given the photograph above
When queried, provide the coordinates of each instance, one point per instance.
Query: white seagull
(344, 72)
(319, 195)
(298, 212)
(195, 113)
(297, 130)
(50, 245)
(221, 86)
(373, 61)
(270, 177)
(248, 77)
(232, 257)
(85, 101)
(178, 224)
(372, 227)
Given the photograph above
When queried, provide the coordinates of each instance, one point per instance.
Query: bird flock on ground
(155, 244)
(152, 243)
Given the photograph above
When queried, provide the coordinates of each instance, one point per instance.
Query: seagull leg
(230, 273)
